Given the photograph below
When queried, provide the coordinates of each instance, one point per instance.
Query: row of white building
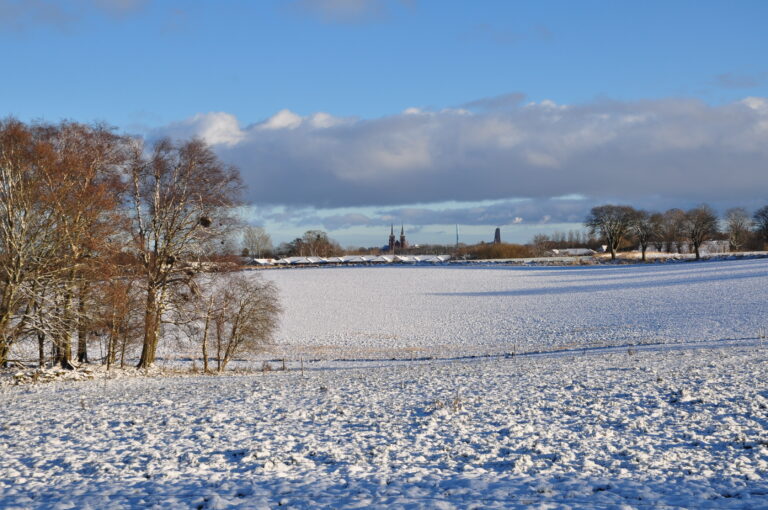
(354, 259)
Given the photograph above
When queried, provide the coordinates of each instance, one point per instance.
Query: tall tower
(457, 236)
(497, 236)
(403, 244)
(392, 238)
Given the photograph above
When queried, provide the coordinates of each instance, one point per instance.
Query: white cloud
(756, 103)
(216, 128)
(284, 119)
(546, 104)
(676, 149)
(324, 120)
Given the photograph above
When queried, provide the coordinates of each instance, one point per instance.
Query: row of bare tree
(675, 229)
(314, 243)
(100, 235)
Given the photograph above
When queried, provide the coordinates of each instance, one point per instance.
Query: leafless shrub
(231, 314)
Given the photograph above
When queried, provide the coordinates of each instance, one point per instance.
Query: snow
(594, 421)
(397, 312)
(661, 426)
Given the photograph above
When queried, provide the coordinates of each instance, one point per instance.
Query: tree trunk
(5, 319)
(4, 348)
(219, 334)
(41, 349)
(123, 347)
(205, 342)
(110, 350)
(151, 329)
(112, 341)
(63, 340)
(643, 247)
(231, 345)
(82, 326)
(63, 353)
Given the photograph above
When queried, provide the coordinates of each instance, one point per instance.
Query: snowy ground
(657, 428)
(676, 424)
(404, 312)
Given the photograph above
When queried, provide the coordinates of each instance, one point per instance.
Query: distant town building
(394, 244)
(572, 252)
(497, 236)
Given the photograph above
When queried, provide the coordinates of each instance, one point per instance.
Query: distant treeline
(619, 226)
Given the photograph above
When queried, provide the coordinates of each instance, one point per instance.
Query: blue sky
(349, 115)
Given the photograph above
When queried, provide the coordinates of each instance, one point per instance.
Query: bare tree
(195, 309)
(316, 243)
(256, 241)
(612, 222)
(657, 220)
(83, 185)
(737, 225)
(16, 180)
(542, 245)
(182, 196)
(60, 224)
(120, 318)
(117, 307)
(673, 230)
(230, 314)
(646, 227)
(245, 318)
(761, 222)
(28, 230)
(700, 225)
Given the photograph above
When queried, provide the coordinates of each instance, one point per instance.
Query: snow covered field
(677, 424)
(659, 428)
(404, 312)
